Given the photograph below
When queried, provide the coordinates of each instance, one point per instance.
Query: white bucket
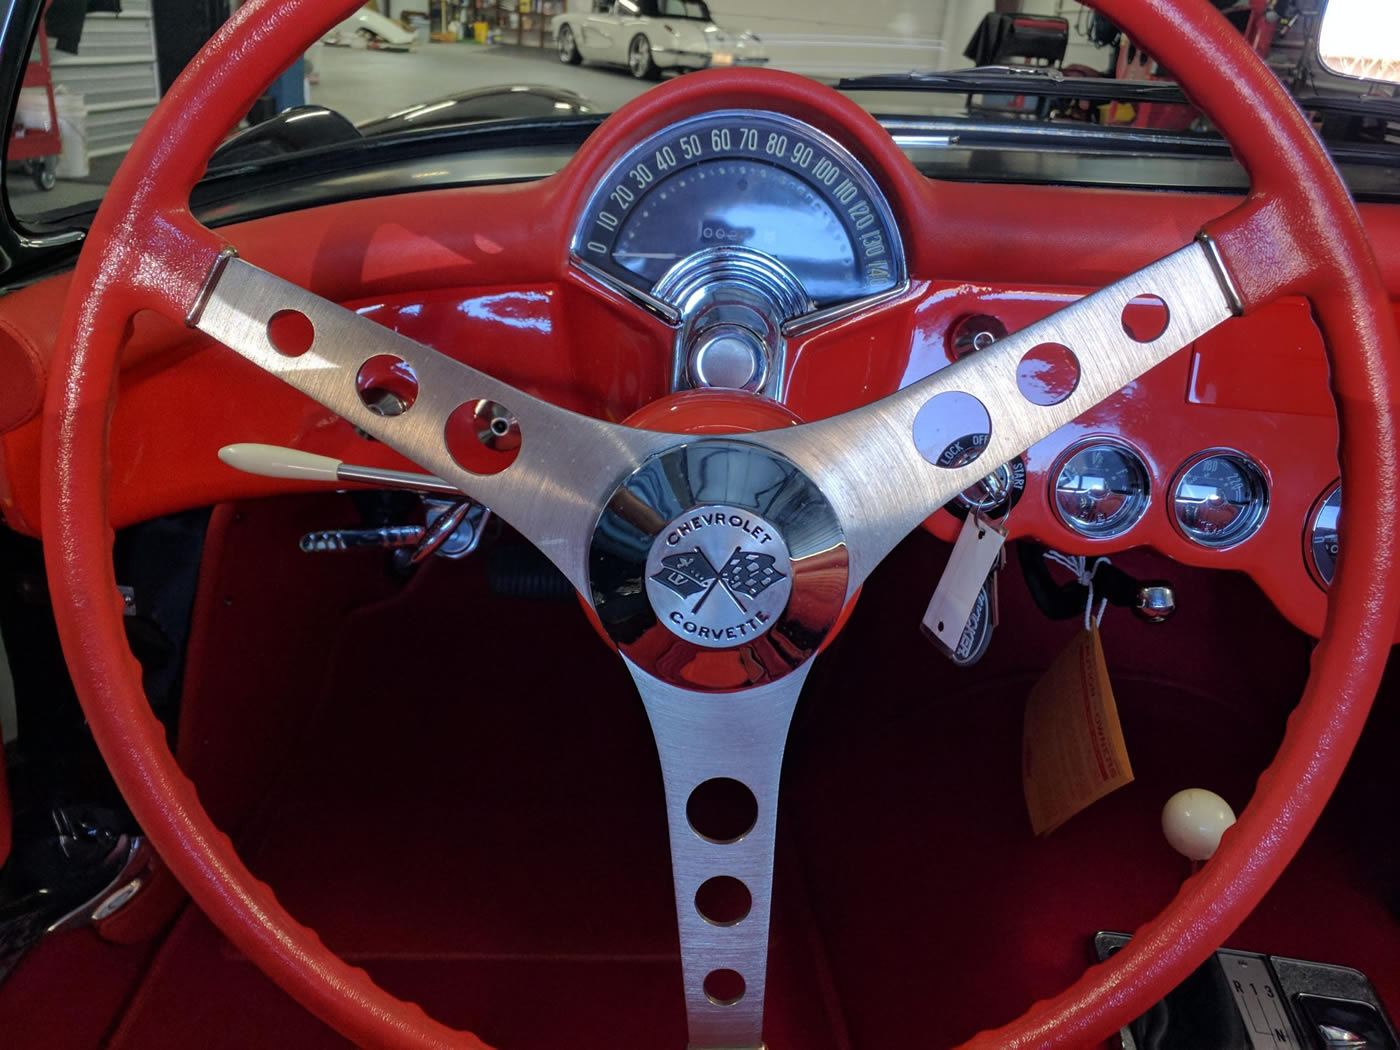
(32, 113)
(72, 129)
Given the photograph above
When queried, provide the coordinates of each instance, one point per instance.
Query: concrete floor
(364, 84)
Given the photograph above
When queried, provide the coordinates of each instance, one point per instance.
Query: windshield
(683, 9)
(98, 67)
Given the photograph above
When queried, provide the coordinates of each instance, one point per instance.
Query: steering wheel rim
(1297, 233)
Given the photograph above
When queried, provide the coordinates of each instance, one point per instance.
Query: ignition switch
(994, 495)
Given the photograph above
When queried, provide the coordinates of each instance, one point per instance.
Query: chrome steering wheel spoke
(721, 758)
(889, 465)
(719, 565)
(566, 465)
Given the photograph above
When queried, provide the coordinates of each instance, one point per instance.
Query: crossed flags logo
(746, 573)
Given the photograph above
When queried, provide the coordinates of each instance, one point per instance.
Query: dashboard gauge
(1219, 498)
(1323, 543)
(751, 179)
(1101, 489)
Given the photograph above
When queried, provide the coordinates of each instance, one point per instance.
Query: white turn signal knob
(1193, 821)
(274, 461)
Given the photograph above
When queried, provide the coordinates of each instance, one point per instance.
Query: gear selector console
(1245, 1001)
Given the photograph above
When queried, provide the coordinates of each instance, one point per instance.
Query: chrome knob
(1155, 602)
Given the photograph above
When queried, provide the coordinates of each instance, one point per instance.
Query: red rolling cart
(36, 148)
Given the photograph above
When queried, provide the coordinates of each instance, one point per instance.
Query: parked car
(652, 36)
(745, 570)
(375, 29)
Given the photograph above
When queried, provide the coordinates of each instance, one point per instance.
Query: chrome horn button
(718, 565)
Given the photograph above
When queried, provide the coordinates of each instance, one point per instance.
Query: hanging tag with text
(1072, 749)
(962, 602)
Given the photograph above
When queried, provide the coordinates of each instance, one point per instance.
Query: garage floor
(364, 84)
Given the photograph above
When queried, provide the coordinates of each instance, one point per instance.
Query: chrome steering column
(732, 302)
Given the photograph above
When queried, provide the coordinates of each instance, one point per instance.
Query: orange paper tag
(1072, 750)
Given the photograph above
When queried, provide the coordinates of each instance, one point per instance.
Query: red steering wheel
(864, 473)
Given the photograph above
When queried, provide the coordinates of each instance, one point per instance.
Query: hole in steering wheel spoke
(483, 436)
(290, 332)
(1047, 374)
(952, 429)
(724, 987)
(387, 385)
(723, 901)
(1145, 318)
(722, 810)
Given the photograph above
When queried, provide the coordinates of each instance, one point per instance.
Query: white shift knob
(1193, 821)
(274, 461)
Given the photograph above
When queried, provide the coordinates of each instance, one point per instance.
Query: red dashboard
(495, 289)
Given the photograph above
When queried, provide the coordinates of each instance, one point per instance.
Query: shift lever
(1194, 820)
(275, 461)
(453, 528)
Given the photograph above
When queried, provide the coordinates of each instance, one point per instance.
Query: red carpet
(474, 815)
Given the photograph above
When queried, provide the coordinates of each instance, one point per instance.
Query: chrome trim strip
(211, 281)
(663, 310)
(1116, 139)
(925, 141)
(1222, 273)
(826, 315)
(399, 479)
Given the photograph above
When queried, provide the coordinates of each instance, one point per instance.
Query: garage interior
(108, 75)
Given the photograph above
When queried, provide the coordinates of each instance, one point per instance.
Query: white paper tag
(956, 595)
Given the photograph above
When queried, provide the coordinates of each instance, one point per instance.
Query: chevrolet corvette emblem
(745, 573)
(753, 576)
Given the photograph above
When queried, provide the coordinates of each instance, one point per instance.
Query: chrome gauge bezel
(868, 191)
(1242, 529)
(1328, 505)
(1136, 506)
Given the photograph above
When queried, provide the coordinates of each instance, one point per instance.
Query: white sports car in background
(648, 36)
(374, 28)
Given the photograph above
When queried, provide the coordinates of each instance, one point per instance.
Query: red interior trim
(142, 221)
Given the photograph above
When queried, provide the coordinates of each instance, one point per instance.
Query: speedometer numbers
(755, 180)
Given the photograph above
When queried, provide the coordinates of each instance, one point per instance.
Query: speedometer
(750, 180)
